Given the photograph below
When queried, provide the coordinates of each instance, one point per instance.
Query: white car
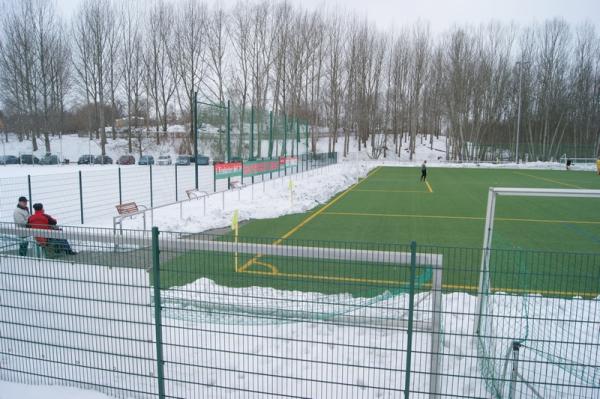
(164, 160)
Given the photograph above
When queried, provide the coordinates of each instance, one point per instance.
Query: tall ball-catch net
(538, 287)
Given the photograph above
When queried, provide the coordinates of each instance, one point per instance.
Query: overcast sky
(442, 14)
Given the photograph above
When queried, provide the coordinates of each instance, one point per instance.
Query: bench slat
(129, 207)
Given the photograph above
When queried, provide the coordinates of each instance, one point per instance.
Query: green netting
(211, 120)
(545, 326)
(234, 131)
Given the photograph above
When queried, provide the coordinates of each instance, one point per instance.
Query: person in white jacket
(20, 217)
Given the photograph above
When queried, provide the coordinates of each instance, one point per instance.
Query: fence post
(436, 332)
(176, 194)
(29, 191)
(81, 197)
(306, 145)
(251, 133)
(228, 130)
(515, 370)
(157, 313)
(120, 188)
(270, 134)
(151, 189)
(411, 306)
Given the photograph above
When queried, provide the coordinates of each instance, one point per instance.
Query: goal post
(494, 192)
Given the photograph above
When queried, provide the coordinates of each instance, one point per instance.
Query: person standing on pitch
(424, 171)
(20, 216)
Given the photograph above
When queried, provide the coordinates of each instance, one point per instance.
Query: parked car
(49, 159)
(9, 160)
(86, 159)
(146, 160)
(103, 160)
(164, 160)
(202, 160)
(126, 160)
(28, 159)
(183, 160)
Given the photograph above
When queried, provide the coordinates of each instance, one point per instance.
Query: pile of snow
(269, 199)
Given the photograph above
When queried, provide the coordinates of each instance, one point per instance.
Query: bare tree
(132, 65)
(93, 31)
(191, 66)
(160, 61)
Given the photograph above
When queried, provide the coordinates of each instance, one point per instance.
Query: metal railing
(170, 315)
(89, 196)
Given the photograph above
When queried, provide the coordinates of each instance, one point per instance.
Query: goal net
(540, 268)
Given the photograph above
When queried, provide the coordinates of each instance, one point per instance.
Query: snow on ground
(211, 355)
(269, 199)
(11, 390)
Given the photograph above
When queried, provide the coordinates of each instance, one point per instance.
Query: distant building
(123, 123)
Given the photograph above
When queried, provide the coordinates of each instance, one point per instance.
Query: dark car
(86, 159)
(9, 160)
(103, 160)
(49, 159)
(28, 159)
(202, 160)
(146, 160)
(126, 160)
(183, 160)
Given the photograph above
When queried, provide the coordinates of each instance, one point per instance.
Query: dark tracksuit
(39, 220)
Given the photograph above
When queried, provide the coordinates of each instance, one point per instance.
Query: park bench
(128, 210)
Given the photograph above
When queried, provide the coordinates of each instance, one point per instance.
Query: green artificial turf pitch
(545, 245)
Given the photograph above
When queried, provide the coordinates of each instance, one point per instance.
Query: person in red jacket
(40, 220)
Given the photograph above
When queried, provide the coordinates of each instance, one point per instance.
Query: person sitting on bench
(40, 220)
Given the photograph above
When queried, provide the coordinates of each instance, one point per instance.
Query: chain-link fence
(142, 314)
(528, 152)
(237, 132)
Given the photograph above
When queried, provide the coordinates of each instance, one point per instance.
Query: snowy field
(285, 358)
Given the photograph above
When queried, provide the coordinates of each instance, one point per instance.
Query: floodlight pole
(520, 64)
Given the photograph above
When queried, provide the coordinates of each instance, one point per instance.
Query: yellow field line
(472, 288)
(549, 180)
(309, 218)
(390, 191)
(402, 215)
(326, 278)
(428, 186)
(458, 217)
(466, 288)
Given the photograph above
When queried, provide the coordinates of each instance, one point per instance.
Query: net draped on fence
(142, 314)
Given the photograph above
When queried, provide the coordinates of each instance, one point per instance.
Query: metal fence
(91, 195)
(161, 314)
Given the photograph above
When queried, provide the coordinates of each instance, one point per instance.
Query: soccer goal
(529, 331)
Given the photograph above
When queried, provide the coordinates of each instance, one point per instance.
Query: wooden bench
(128, 210)
(195, 194)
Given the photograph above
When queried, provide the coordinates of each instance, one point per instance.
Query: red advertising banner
(254, 168)
(230, 169)
(288, 162)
